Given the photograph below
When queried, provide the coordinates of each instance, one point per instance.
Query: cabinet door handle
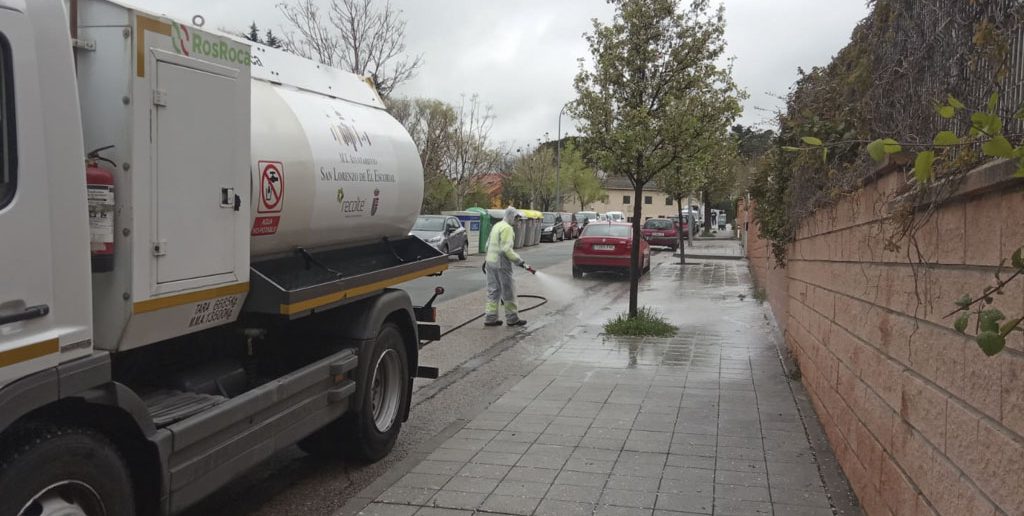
(32, 312)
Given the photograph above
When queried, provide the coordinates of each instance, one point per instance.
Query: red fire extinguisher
(99, 183)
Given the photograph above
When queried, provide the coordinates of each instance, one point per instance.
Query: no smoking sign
(271, 191)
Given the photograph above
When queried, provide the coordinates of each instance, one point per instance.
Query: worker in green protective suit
(498, 267)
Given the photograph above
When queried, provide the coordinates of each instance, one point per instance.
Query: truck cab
(181, 290)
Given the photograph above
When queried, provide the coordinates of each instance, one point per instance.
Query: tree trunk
(679, 232)
(707, 212)
(634, 254)
(689, 227)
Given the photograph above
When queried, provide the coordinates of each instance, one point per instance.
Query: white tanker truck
(213, 283)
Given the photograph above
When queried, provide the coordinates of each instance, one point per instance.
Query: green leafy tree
(630, 108)
(580, 179)
(272, 41)
(752, 145)
(679, 183)
(253, 34)
(750, 142)
(532, 180)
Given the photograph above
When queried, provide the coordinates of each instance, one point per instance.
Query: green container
(486, 222)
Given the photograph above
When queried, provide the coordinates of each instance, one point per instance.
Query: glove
(529, 269)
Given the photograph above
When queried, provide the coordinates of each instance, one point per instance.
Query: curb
(837, 487)
(712, 256)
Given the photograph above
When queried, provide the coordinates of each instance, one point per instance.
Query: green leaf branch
(989, 334)
(991, 326)
(986, 130)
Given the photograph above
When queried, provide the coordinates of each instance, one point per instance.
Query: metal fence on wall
(925, 50)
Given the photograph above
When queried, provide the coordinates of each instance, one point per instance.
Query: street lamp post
(558, 160)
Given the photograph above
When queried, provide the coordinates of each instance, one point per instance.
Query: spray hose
(543, 301)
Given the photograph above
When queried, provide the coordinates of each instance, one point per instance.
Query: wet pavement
(705, 422)
(721, 246)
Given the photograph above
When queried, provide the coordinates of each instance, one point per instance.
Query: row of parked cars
(607, 245)
(563, 225)
(446, 233)
(603, 241)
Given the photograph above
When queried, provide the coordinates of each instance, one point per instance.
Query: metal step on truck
(199, 237)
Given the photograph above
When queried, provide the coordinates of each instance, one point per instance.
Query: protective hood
(510, 214)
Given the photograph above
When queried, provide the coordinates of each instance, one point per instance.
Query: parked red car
(572, 226)
(606, 246)
(661, 232)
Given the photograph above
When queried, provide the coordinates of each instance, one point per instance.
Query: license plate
(604, 247)
(659, 234)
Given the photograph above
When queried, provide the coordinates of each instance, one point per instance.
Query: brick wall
(920, 419)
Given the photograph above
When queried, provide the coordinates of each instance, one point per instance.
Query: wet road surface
(463, 277)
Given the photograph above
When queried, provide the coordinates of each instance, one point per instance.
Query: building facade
(622, 198)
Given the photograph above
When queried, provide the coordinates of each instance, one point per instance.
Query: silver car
(443, 232)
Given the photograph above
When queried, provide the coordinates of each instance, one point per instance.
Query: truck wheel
(58, 470)
(369, 434)
(576, 272)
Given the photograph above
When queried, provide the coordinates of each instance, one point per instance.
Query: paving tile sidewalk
(701, 423)
(724, 247)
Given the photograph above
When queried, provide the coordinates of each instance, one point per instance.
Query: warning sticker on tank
(271, 187)
(101, 215)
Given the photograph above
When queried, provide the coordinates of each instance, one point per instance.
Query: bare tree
(311, 38)
(431, 124)
(471, 154)
(356, 36)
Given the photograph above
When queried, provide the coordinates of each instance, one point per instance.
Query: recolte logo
(194, 43)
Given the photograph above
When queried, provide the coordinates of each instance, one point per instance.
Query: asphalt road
(464, 277)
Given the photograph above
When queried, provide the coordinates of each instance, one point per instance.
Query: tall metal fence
(925, 50)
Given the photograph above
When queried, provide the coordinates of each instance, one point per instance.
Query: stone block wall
(920, 419)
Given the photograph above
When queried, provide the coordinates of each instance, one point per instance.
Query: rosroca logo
(181, 39)
(194, 43)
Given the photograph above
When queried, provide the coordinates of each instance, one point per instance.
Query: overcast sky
(520, 56)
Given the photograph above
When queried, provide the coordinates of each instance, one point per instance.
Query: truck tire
(369, 431)
(54, 469)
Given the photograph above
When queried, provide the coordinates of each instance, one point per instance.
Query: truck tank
(330, 166)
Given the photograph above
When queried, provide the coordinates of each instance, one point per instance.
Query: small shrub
(647, 323)
(760, 295)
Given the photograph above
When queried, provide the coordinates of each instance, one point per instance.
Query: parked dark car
(684, 226)
(661, 232)
(570, 227)
(551, 228)
(606, 246)
(443, 232)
